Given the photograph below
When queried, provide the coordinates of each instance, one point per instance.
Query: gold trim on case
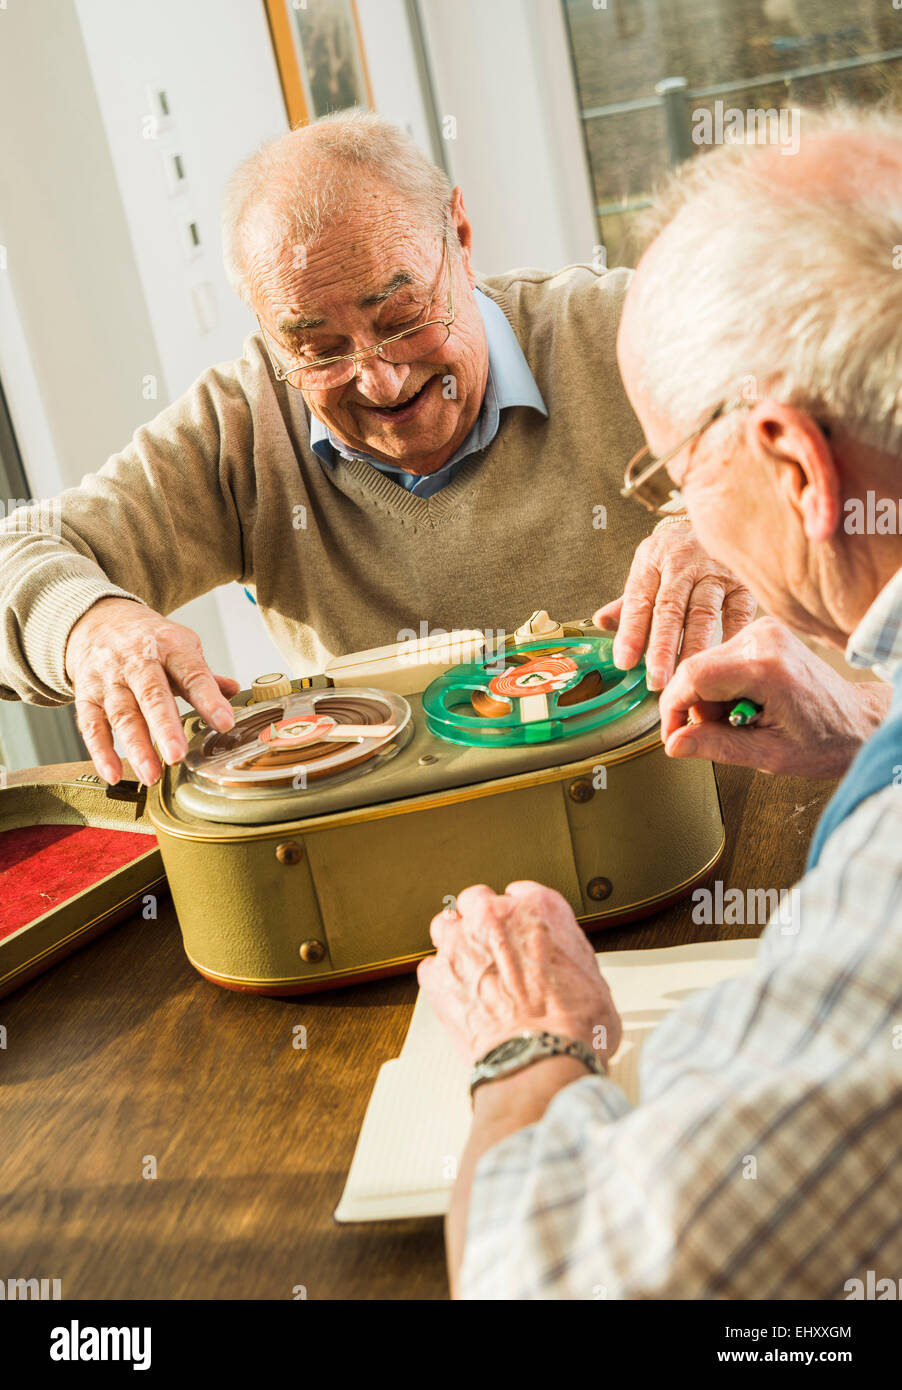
(351, 970)
(450, 797)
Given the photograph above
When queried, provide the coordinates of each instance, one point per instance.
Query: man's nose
(379, 380)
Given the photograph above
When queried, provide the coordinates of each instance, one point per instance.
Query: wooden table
(122, 1054)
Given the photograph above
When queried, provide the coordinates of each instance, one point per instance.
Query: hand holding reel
(536, 692)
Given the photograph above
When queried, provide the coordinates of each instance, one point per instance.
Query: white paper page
(413, 1133)
(418, 1118)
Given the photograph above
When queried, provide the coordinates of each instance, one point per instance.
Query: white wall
(75, 337)
(502, 69)
(100, 294)
(394, 70)
(214, 61)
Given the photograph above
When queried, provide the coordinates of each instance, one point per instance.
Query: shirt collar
(877, 640)
(509, 383)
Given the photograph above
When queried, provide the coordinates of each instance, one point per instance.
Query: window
(29, 736)
(644, 68)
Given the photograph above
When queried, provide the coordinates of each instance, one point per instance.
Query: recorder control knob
(539, 625)
(270, 687)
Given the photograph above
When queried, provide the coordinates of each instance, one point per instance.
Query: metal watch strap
(546, 1045)
(683, 520)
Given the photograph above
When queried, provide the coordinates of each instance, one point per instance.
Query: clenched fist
(126, 663)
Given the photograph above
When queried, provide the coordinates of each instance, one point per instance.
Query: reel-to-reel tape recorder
(311, 844)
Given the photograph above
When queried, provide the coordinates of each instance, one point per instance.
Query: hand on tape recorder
(673, 600)
(124, 662)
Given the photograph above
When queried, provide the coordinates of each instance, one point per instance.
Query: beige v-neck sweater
(223, 486)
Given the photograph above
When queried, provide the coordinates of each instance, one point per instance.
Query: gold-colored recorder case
(312, 901)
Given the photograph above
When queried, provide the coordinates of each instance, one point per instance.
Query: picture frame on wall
(320, 57)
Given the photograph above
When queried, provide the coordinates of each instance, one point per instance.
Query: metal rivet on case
(312, 951)
(599, 888)
(581, 789)
(427, 758)
(289, 853)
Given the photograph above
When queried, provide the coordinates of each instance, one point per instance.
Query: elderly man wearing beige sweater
(400, 445)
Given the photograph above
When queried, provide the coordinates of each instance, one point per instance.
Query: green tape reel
(535, 692)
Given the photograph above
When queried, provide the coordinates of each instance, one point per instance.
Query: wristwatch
(525, 1048)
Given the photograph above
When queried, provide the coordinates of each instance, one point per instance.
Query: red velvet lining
(42, 866)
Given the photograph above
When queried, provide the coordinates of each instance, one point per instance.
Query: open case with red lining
(75, 858)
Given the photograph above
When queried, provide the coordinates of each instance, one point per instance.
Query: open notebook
(418, 1118)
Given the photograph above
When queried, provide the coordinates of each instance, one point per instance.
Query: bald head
(285, 196)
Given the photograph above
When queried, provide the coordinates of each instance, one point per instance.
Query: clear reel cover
(295, 740)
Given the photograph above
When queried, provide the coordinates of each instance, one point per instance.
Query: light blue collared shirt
(509, 382)
(876, 642)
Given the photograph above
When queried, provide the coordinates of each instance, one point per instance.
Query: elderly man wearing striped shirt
(775, 285)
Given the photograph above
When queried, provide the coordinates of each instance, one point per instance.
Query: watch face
(507, 1051)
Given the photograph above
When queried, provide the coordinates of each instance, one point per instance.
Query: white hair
(293, 188)
(788, 290)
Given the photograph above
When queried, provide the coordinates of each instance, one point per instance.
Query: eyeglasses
(326, 373)
(646, 477)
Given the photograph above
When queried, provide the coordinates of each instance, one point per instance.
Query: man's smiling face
(372, 275)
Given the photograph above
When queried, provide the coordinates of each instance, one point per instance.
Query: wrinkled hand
(124, 662)
(516, 960)
(673, 587)
(813, 720)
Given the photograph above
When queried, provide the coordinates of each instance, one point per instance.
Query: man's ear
(793, 441)
(461, 222)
